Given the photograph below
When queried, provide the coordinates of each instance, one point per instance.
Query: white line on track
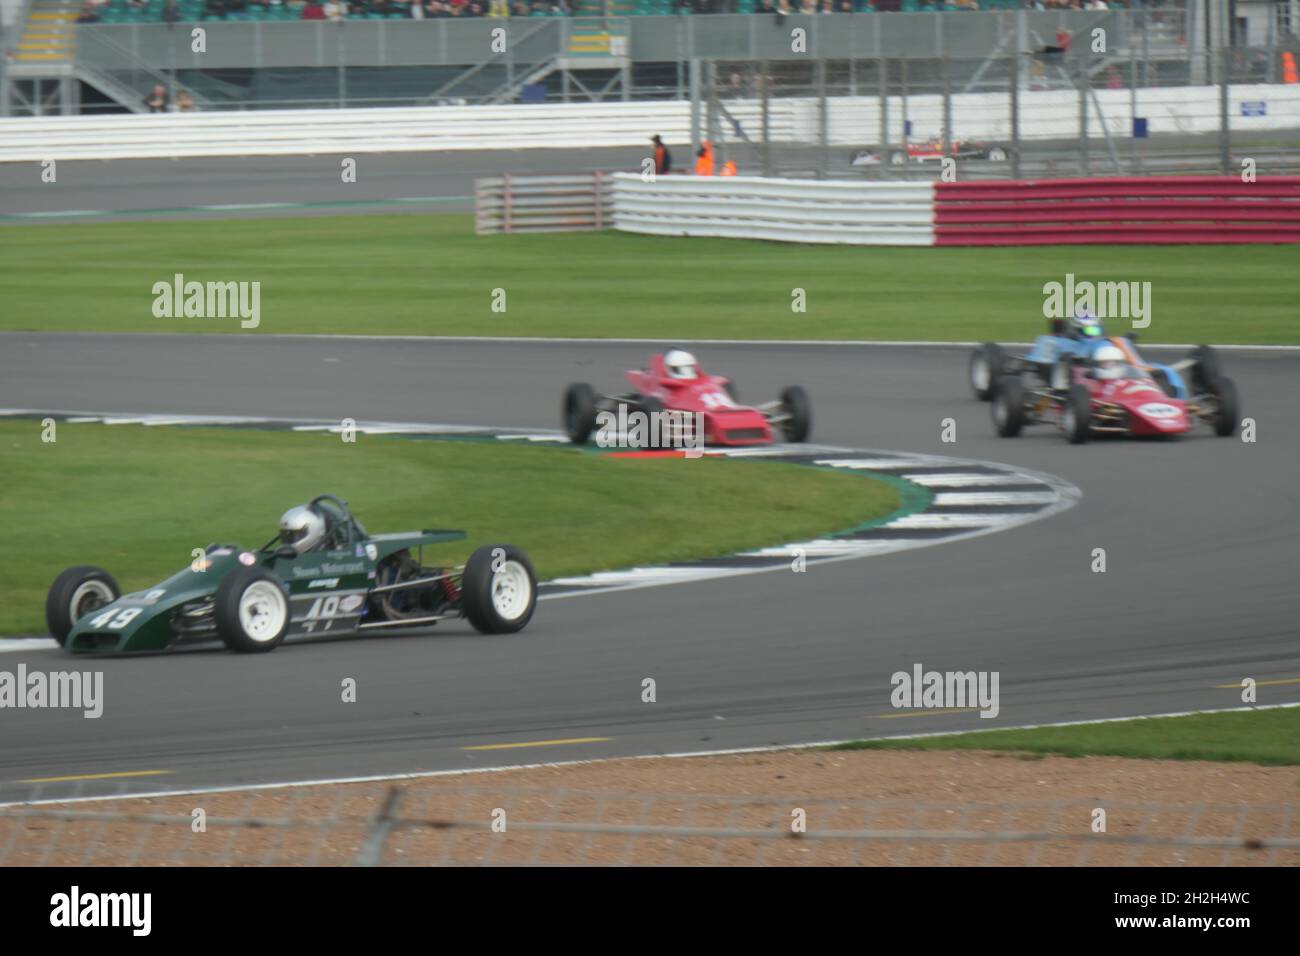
(778, 343)
(430, 774)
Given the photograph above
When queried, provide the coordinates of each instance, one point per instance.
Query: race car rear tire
(1205, 367)
(499, 589)
(579, 412)
(1228, 415)
(798, 409)
(1076, 415)
(251, 611)
(75, 593)
(1008, 408)
(986, 366)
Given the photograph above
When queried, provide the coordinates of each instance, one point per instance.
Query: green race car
(321, 575)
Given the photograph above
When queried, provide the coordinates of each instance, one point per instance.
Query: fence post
(1081, 74)
(883, 66)
(1014, 78)
(823, 122)
(372, 851)
(1225, 123)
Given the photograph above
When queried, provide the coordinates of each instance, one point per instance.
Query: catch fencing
(1180, 210)
(382, 825)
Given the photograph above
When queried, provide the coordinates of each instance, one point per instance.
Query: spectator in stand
(335, 10)
(498, 9)
(313, 11)
(88, 14)
(185, 102)
(171, 12)
(156, 101)
(417, 10)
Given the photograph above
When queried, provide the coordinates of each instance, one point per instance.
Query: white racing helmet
(681, 364)
(302, 528)
(1109, 362)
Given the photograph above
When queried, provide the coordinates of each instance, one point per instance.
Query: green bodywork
(148, 620)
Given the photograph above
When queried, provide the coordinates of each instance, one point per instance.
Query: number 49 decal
(117, 618)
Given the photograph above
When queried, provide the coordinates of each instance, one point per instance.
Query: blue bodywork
(1048, 349)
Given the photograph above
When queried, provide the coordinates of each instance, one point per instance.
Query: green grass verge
(1269, 737)
(430, 275)
(136, 500)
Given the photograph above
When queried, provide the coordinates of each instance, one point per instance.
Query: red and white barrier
(1115, 211)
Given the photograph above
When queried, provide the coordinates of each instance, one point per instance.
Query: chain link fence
(1049, 113)
(385, 825)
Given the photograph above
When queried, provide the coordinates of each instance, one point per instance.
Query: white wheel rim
(89, 589)
(262, 611)
(512, 591)
(979, 373)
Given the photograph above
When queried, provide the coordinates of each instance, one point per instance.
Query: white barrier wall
(785, 210)
(297, 132)
(1046, 114)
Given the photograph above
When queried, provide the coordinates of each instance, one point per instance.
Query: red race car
(1109, 395)
(675, 384)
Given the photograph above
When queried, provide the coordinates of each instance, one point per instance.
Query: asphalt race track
(1199, 592)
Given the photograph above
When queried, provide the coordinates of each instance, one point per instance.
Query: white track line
(431, 774)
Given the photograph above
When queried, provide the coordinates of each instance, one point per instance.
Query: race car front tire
(499, 589)
(1205, 367)
(74, 594)
(1008, 408)
(251, 611)
(798, 410)
(1076, 415)
(1228, 415)
(986, 366)
(579, 412)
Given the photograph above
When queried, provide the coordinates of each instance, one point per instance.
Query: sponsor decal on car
(372, 552)
(349, 568)
(324, 583)
(352, 602)
(247, 558)
(1159, 410)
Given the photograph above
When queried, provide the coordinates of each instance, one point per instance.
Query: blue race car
(1076, 341)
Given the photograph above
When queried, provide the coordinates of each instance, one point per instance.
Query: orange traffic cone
(1289, 74)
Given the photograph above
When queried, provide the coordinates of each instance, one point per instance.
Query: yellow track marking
(540, 743)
